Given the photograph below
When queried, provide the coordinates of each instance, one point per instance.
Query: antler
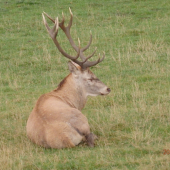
(53, 33)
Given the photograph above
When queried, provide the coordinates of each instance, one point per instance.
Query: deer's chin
(104, 94)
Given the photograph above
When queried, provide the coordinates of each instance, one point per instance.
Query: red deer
(56, 120)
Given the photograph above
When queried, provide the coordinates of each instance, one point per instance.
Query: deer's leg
(80, 123)
(90, 139)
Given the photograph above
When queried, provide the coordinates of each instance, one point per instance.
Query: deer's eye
(93, 79)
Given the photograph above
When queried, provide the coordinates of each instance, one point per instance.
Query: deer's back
(50, 118)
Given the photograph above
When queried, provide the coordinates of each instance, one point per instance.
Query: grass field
(132, 122)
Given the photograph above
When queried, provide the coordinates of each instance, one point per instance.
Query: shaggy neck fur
(71, 92)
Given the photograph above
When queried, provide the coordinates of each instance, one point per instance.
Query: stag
(56, 120)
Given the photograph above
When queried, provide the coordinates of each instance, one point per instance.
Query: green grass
(132, 122)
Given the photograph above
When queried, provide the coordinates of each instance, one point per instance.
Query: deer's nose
(109, 90)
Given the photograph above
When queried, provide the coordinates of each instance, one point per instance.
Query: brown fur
(55, 121)
(61, 84)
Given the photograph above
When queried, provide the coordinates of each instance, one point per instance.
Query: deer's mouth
(103, 94)
(108, 90)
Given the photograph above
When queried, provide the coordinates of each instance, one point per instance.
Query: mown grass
(132, 123)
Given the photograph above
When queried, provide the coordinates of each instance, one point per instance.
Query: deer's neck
(71, 92)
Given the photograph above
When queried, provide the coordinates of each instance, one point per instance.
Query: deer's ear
(74, 68)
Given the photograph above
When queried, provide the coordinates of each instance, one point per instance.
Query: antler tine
(88, 45)
(90, 55)
(78, 53)
(53, 34)
(67, 30)
(102, 57)
(93, 63)
(49, 17)
(61, 24)
(71, 18)
(47, 27)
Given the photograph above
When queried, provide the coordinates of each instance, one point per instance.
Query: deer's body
(56, 120)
